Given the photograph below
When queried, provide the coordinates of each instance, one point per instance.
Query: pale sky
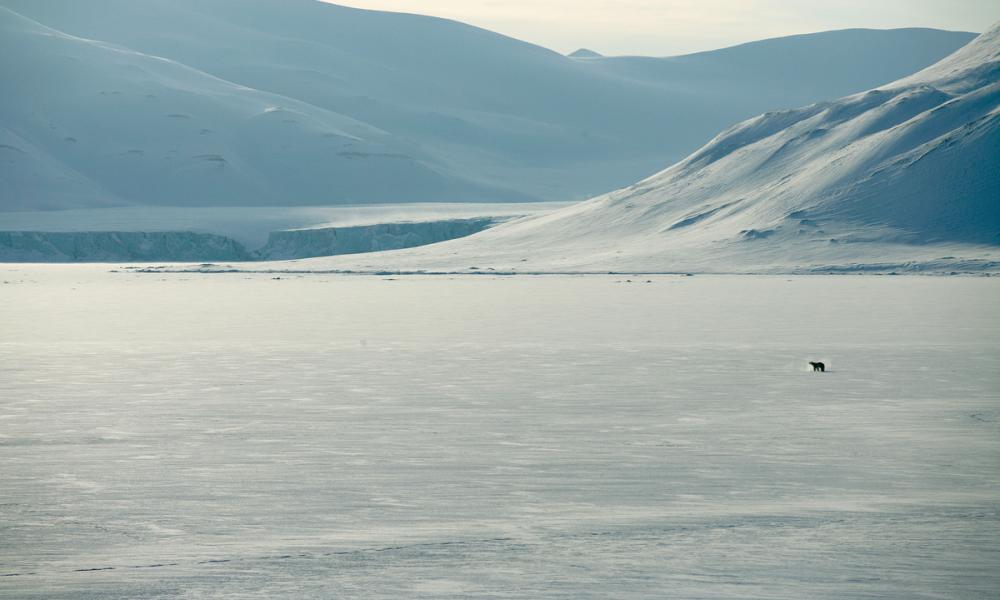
(668, 27)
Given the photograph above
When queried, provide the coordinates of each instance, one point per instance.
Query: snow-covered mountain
(296, 102)
(91, 123)
(903, 177)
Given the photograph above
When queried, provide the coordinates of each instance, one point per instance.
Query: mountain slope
(478, 113)
(107, 123)
(901, 177)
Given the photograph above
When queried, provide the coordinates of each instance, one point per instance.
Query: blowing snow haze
(281, 103)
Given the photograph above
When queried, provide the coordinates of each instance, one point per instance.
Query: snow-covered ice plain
(321, 436)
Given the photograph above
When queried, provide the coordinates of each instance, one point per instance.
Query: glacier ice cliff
(111, 246)
(187, 246)
(330, 241)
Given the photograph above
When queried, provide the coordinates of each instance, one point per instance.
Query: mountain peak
(585, 53)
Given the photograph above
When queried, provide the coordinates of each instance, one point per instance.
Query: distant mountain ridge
(268, 102)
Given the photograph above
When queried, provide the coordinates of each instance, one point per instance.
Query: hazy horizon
(671, 27)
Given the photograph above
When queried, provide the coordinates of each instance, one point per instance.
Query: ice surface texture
(236, 436)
